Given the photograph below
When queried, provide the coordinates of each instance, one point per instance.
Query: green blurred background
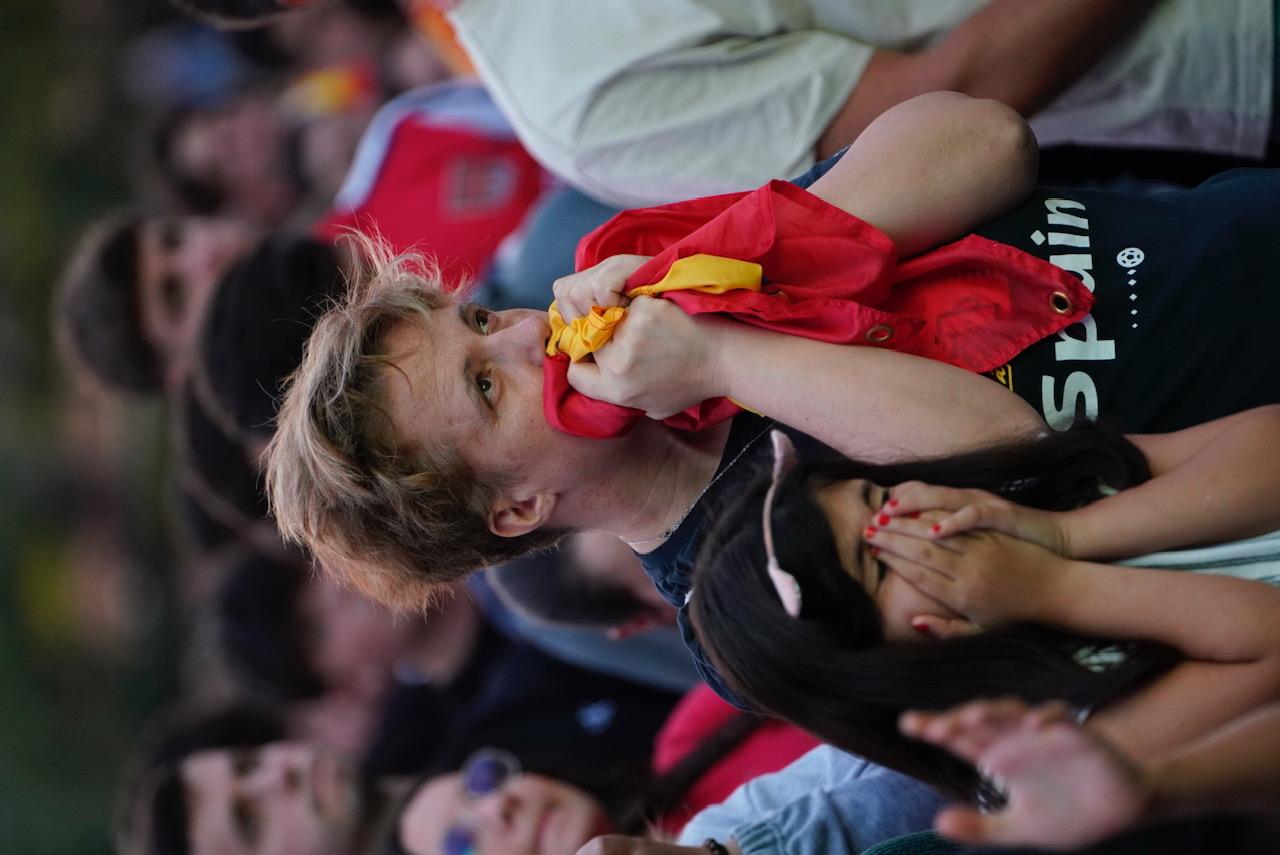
(87, 635)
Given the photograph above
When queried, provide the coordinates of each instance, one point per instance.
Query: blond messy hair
(394, 519)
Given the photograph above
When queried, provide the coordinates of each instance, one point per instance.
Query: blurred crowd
(300, 161)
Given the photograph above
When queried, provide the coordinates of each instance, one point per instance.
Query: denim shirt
(826, 803)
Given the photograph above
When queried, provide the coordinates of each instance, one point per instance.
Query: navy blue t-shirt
(1163, 348)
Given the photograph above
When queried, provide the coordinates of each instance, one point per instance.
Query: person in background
(134, 294)
(430, 682)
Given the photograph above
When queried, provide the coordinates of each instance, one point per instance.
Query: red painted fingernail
(875, 551)
(920, 627)
(935, 528)
(883, 519)
(893, 503)
(870, 532)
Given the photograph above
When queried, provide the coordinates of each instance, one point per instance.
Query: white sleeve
(643, 112)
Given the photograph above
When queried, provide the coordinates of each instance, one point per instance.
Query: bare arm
(1020, 53)
(862, 401)
(1215, 482)
(933, 168)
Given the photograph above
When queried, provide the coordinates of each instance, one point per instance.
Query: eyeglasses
(486, 772)
(784, 460)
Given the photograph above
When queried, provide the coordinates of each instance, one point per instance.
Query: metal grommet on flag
(880, 333)
(1060, 302)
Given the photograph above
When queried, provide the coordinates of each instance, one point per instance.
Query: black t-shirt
(1187, 314)
(1163, 349)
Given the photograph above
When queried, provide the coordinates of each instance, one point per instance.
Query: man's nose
(280, 769)
(525, 337)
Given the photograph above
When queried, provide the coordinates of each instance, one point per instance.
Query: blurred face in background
(488, 810)
(351, 642)
(283, 798)
(238, 148)
(180, 262)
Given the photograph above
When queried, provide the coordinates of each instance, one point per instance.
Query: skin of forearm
(1192, 700)
(933, 168)
(1234, 768)
(864, 402)
(1227, 490)
(1207, 617)
(1023, 54)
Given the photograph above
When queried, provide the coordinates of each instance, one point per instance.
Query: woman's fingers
(968, 730)
(930, 582)
(914, 496)
(939, 627)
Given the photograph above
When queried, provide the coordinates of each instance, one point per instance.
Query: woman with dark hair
(813, 589)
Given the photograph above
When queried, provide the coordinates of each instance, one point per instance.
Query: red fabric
(453, 194)
(699, 715)
(829, 276)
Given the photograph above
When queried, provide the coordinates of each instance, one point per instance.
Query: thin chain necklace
(670, 530)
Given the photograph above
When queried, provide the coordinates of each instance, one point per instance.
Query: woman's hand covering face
(977, 509)
(985, 576)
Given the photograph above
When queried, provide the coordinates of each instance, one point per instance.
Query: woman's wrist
(1066, 586)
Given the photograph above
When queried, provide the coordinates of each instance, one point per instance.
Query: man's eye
(481, 319)
(248, 822)
(244, 762)
(485, 385)
(171, 235)
(172, 296)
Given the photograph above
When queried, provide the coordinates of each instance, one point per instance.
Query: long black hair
(832, 672)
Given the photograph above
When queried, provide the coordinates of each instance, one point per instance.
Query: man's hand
(659, 360)
(1067, 788)
(602, 285)
(616, 844)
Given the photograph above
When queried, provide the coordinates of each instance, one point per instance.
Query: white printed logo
(1131, 257)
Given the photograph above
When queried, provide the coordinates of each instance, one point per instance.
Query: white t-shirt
(641, 102)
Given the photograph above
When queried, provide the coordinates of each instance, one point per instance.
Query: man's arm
(933, 168)
(1020, 53)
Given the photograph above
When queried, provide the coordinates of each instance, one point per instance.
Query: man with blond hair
(411, 447)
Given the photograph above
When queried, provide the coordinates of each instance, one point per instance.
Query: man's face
(350, 641)
(238, 148)
(180, 262)
(279, 799)
(469, 379)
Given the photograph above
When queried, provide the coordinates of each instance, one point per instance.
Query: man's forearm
(868, 403)
(1021, 53)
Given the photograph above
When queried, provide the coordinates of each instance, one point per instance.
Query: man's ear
(514, 517)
